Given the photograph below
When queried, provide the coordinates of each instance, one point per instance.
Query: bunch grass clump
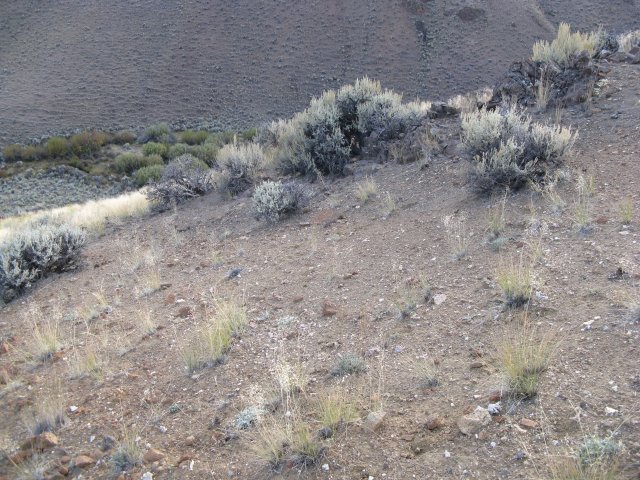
(524, 356)
(57, 147)
(510, 150)
(274, 200)
(566, 44)
(629, 40)
(128, 163)
(194, 137)
(515, 281)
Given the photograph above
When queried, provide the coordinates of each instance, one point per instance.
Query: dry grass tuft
(516, 281)
(565, 45)
(524, 355)
(366, 190)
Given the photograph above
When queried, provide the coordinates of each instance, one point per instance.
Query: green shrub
(249, 135)
(127, 163)
(13, 152)
(274, 200)
(160, 133)
(207, 153)
(348, 364)
(183, 178)
(154, 148)
(124, 136)
(36, 251)
(148, 174)
(178, 150)
(221, 139)
(57, 147)
(509, 150)
(33, 152)
(88, 142)
(191, 137)
(240, 164)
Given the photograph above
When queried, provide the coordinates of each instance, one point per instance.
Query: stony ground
(124, 64)
(331, 282)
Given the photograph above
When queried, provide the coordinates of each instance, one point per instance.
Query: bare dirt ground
(66, 65)
(360, 260)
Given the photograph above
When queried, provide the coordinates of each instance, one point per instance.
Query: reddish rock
(329, 309)
(82, 461)
(495, 396)
(40, 442)
(184, 312)
(476, 365)
(602, 220)
(528, 423)
(4, 347)
(297, 299)
(170, 299)
(153, 455)
(183, 458)
(434, 422)
(62, 470)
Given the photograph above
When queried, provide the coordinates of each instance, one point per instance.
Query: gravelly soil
(361, 260)
(68, 64)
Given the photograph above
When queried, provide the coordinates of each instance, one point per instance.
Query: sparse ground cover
(201, 342)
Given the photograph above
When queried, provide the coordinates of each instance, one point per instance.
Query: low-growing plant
(248, 417)
(207, 153)
(123, 137)
(88, 142)
(127, 163)
(509, 150)
(274, 200)
(149, 174)
(191, 137)
(594, 459)
(455, 228)
(127, 455)
(184, 178)
(178, 150)
(160, 133)
(45, 339)
(155, 148)
(524, 355)
(241, 164)
(58, 147)
(272, 442)
(47, 415)
(336, 410)
(629, 40)
(304, 447)
(366, 189)
(515, 281)
(13, 152)
(566, 44)
(348, 364)
(626, 211)
(36, 251)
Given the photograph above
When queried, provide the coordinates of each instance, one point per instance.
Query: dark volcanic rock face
(68, 64)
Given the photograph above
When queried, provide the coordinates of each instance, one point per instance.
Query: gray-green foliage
(240, 164)
(34, 252)
(348, 364)
(274, 200)
(510, 150)
(183, 178)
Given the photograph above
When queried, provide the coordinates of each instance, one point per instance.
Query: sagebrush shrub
(241, 164)
(275, 200)
(88, 142)
(205, 152)
(13, 152)
(123, 136)
(191, 137)
(148, 174)
(155, 148)
(322, 138)
(160, 133)
(34, 252)
(177, 150)
(509, 150)
(57, 147)
(629, 40)
(566, 44)
(127, 163)
(183, 178)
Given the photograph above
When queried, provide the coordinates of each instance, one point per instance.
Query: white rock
(610, 411)
(147, 476)
(440, 298)
(325, 467)
(475, 421)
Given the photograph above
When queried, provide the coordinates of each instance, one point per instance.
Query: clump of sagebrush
(240, 164)
(347, 365)
(567, 44)
(127, 163)
(57, 147)
(275, 200)
(160, 133)
(510, 150)
(88, 142)
(183, 178)
(149, 174)
(37, 250)
(594, 459)
(322, 138)
(191, 137)
(155, 148)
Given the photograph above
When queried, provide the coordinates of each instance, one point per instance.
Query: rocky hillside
(68, 64)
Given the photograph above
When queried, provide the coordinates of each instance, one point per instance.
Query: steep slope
(68, 64)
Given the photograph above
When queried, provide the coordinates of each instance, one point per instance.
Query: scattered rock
(184, 312)
(528, 423)
(82, 461)
(374, 421)
(170, 298)
(329, 309)
(153, 455)
(40, 442)
(190, 440)
(434, 422)
(297, 299)
(439, 298)
(475, 421)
